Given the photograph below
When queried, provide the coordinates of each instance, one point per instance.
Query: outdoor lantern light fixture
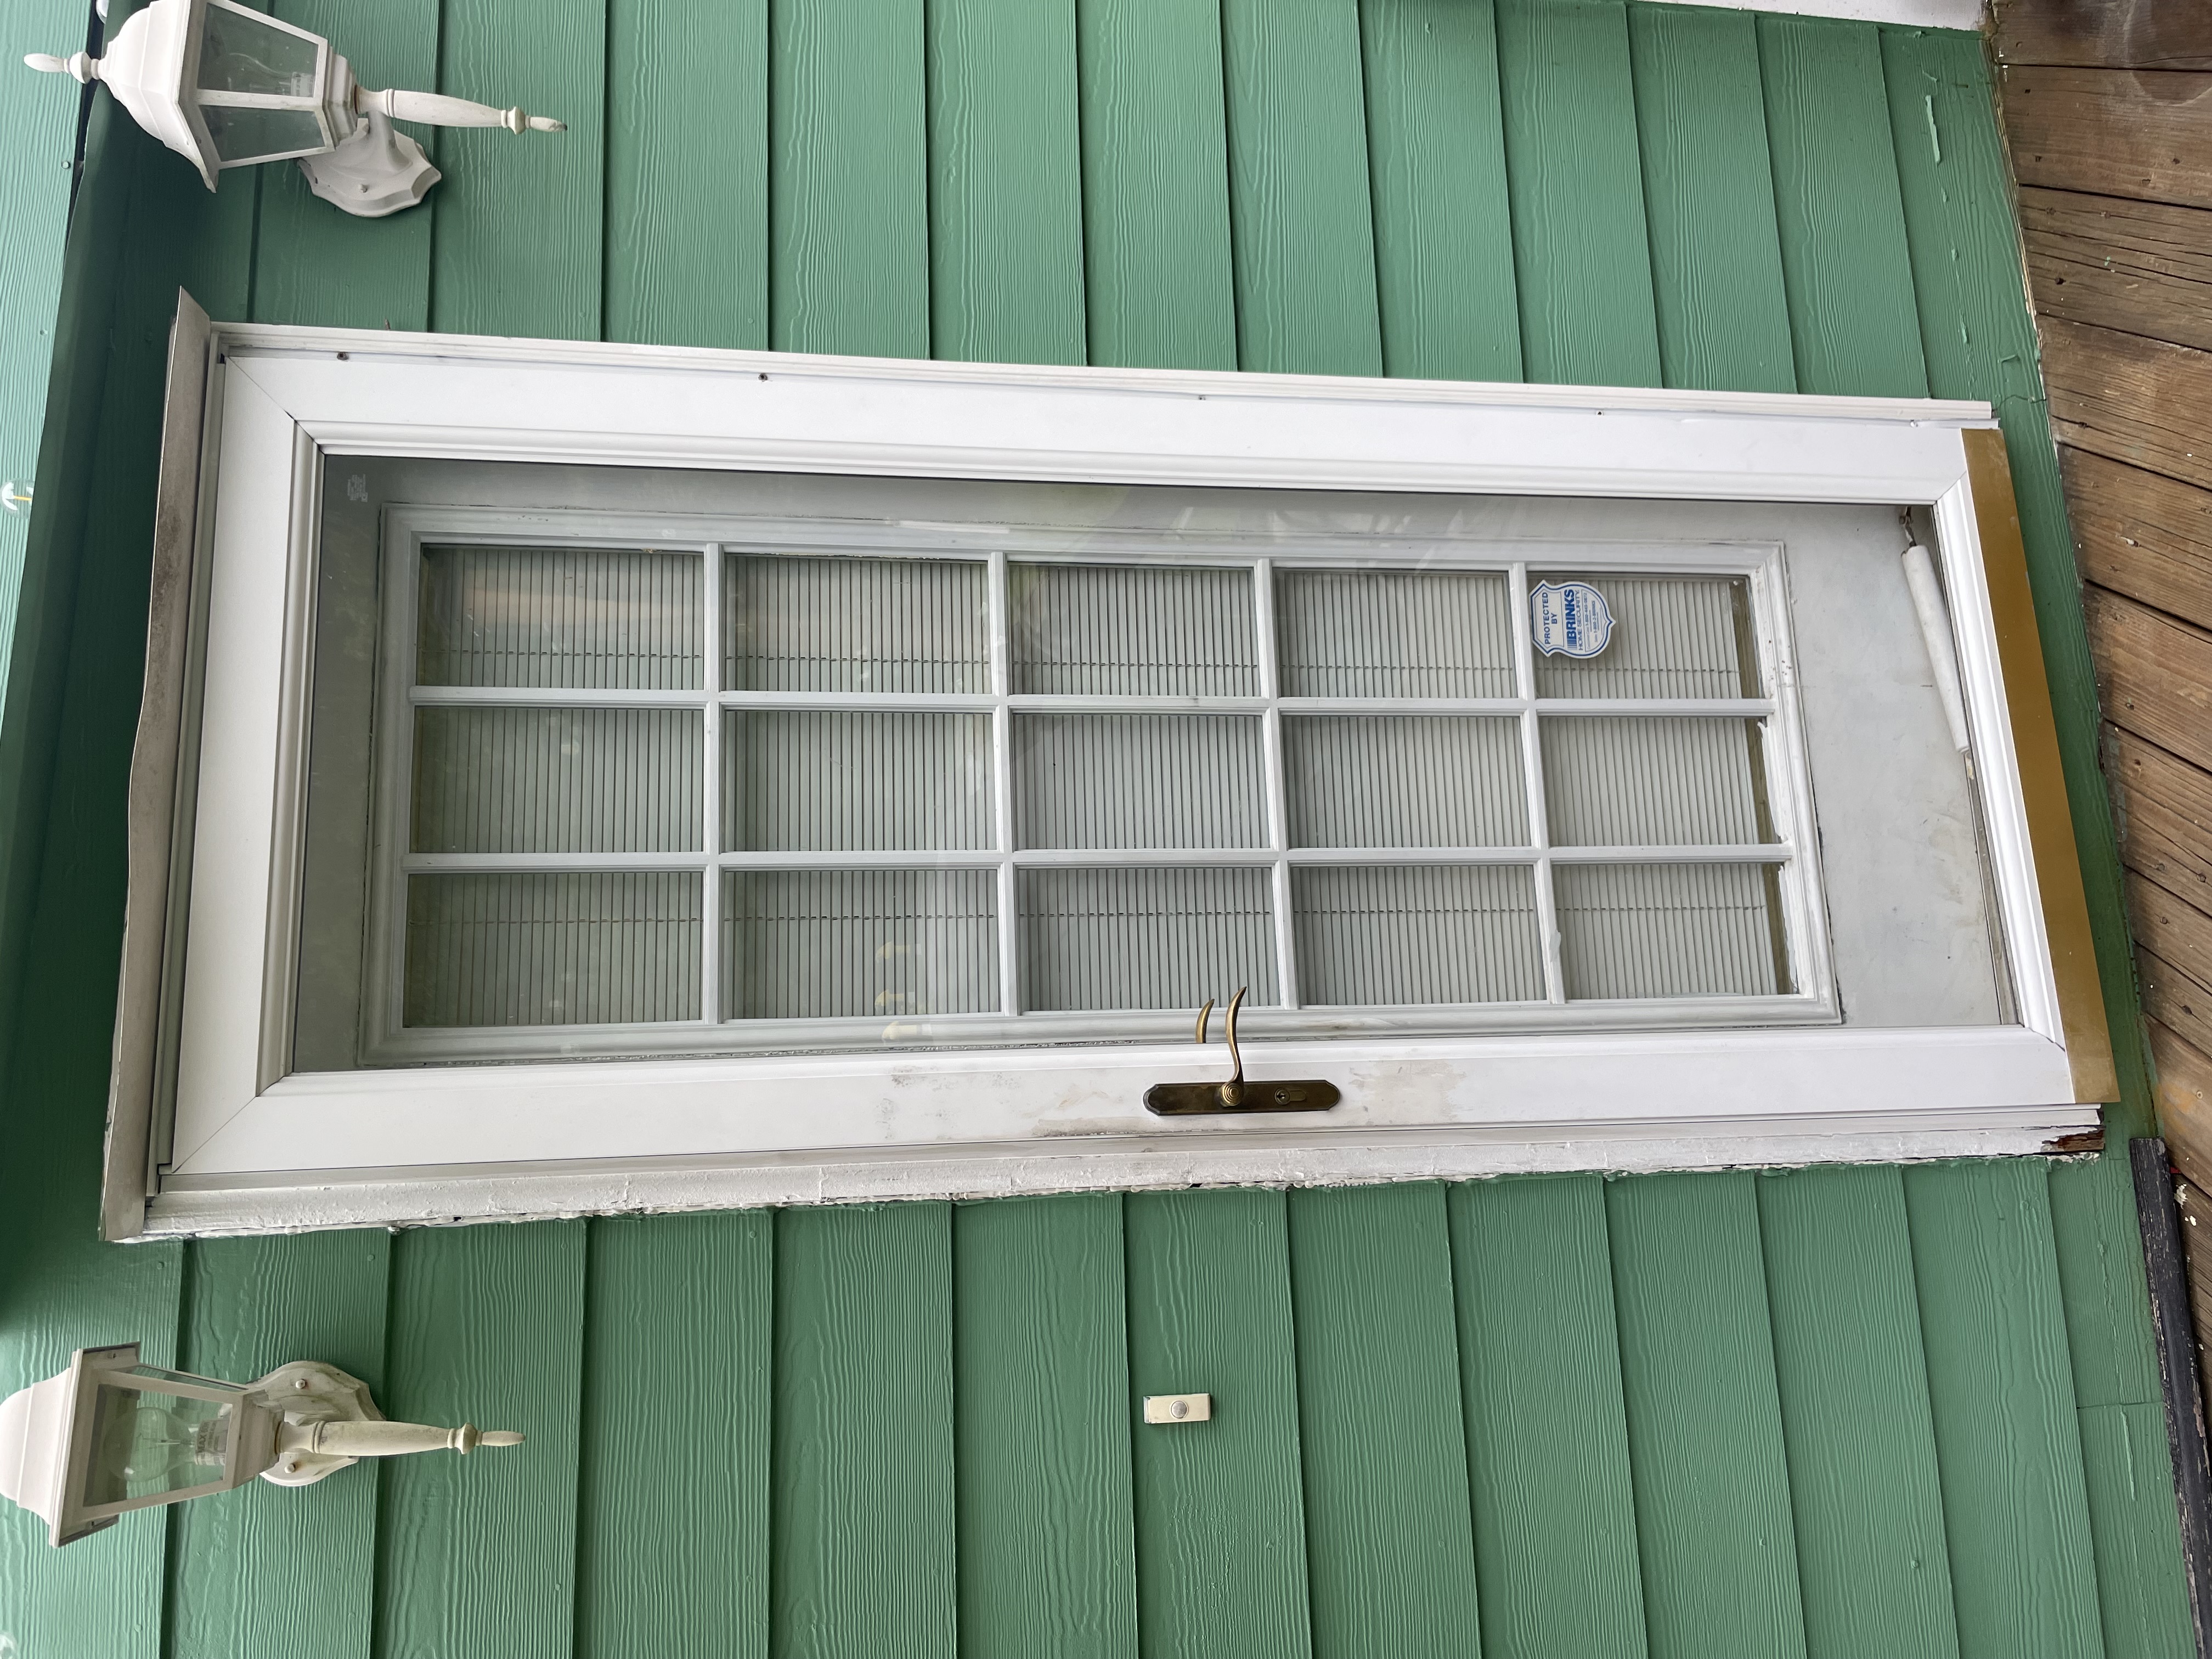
(110, 1435)
(226, 87)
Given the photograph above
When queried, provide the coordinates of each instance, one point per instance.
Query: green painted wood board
(2008, 1451)
(1709, 199)
(518, 221)
(314, 264)
(686, 245)
(1303, 226)
(673, 1445)
(1006, 191)
(1546, 1429)
(1856, 1420)
(250, 1305)
(1435, 156)
(1159, 282)
(862, 1482)
(1852, 321)
(1389, 1535)
(2101, 1280)
(1581, 248)
(39, 127)
(477, 1555)
(1047, 1538)
(1221, 1544)
(2142, 1598)
(1713, 1524)
(848, 225)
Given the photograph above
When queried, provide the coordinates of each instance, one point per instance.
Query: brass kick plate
(1238, 1093)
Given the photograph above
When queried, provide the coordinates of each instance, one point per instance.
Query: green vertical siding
(1832, 1413)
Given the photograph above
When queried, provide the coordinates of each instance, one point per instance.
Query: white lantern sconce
(109, 1435)
(227, 87)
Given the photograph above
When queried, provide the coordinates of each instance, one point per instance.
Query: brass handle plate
(1236, 1095)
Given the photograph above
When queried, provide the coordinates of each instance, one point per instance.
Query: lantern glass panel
(243, 133)
(151, 1445)
(241, 52)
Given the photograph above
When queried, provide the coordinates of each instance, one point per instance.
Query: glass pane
(1394, 634)
(1417, 934)
(242, 133)
(834, 780)
(144, 1445)
(1654, 782)
(558, 780)
(241, 52)
(1144, 938)
(558, 616)
(1673, 636)
(1139, 780)
(1392, 780)
(826, 624)
(1132, 630)
(588, 949)
(1670, 930)
(885, 945)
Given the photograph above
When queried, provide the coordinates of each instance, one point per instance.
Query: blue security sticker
(1569, 619)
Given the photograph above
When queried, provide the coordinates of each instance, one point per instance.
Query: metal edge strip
(2042, 777)
(125, 1175)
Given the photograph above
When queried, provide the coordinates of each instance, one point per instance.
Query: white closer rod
(1936, 630)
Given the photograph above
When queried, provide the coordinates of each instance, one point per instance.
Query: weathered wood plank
(1444, 227)
(1221, 1540)
(2112, 134)
(2153, 674)
(1713, 1521)
(1845, 255)
(1389, 1544)
(1159, 281)
(2140, 401)
(2142, 772)
(848, 187)
(1041, 1383)
(252, 1304)
(478, 1555)
(2141, 267)
(314, 263)
(2177, 933)
(687, 220)
(2195, 1208)
(1856, 1422)
(1581, 248)
(2141, 35)
(2168, 851)
(673, 1546)
(1709, 195)
(2008, 1446)
(1547, 1430)
(2172, 998)
(1303, 223)
(2138, 1544)
(2184, 1120)
(517, 239)
(862, 1506)
(1006, 193)
(2141, 535)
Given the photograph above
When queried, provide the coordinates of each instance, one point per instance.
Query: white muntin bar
(710, 787)
(1002, 788)
(1278, 826)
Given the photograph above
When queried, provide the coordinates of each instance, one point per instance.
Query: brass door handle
(1202, 1099)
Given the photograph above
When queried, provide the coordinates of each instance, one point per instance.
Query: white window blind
(899, 796)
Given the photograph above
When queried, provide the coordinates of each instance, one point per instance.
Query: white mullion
(1002, 789)
(1532, 769)
(1278, 817)
(1746, 853)
(710, 917)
